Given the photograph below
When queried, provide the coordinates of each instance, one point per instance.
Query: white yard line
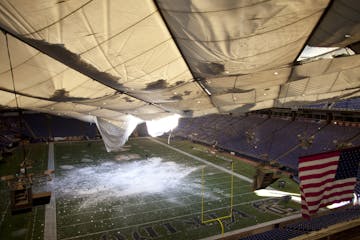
(157, 221)
(252, 228)
(34, 223)
(204, 161)
(236, 175)
(4, 213)
(145, 212)
(50, 209)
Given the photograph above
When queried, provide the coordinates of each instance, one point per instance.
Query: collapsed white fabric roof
(103, 60)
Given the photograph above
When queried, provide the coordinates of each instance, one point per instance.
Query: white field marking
(252, 228)
(4, 213)
(159, 209)
(50, 209)
(204, 161)
(33, 226)
(157, 221)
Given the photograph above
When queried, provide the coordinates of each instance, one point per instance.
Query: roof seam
(20, 38)
(225, 10)
(59, 20)
(197, 80)
(239, 38)
(122, 31)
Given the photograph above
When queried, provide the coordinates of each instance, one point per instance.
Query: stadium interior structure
(232, 86)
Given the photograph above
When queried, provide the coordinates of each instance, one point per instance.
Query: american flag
(327, 178)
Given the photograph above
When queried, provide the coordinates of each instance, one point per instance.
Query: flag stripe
(318, 172)
(312, 200)
(317, 184)
(319, 156)
(319, 167)
(316, 162)
(312, 192)
(327, 178)
(346, 197)
(321, 176)
(335, 199)
(328, 199)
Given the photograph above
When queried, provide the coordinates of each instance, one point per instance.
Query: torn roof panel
(44, 77)
(241, 39)
(116, 56)
(340, 26)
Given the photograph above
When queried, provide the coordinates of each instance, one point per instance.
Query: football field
(151, 191)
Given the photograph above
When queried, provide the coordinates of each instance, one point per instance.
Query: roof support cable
(197, 80)
(76, 68)
(16, 99)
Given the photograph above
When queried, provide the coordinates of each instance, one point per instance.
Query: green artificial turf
(28, 225)
(92, 208)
